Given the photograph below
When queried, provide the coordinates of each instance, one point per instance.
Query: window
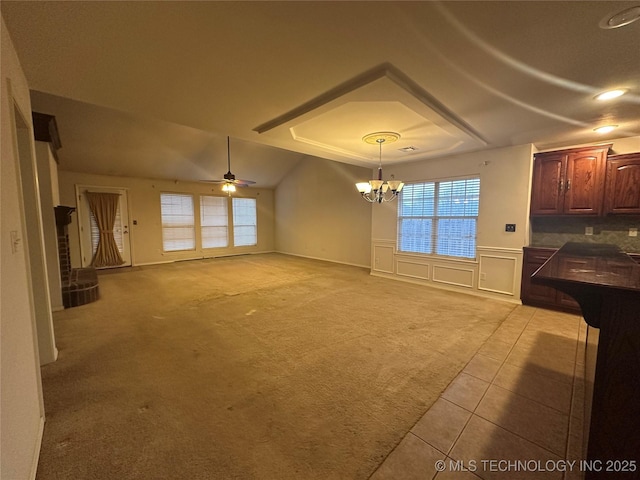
(245, 230)
(214, 221)
(439, 217)
(178, 230)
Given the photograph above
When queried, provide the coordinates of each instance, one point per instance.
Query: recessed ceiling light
(610, 94)
(620, 19)
(605, 129)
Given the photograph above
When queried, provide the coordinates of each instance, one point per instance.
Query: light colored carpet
(252, 367)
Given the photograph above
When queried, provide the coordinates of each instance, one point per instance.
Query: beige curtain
(104, 207)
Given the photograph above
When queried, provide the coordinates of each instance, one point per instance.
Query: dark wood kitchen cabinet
(622, 188)
(569, 182)
(536, 294)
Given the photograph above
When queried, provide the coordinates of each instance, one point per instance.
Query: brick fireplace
(79, 285)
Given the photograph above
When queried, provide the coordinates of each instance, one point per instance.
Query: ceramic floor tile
(452, 472)
(556, 323)
(442, 424)
(524, 312)
(577, 400)
(507, 334)
(550, 342)
(411, 459)
(486, 443)
(560, 370)
(466, 391)
(482, 367)
(575, 448)
(531, 420)
(541, 388)
(496, 349)
(515, 321)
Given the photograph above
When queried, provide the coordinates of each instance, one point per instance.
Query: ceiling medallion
(378, 191)
(381, 137)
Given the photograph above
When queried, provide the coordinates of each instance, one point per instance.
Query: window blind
(214, 221)
(178, 230)
(245, 230)
(439, 217)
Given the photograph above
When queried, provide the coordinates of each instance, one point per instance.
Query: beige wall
(319, 213)
(505, 175)
(21, 409)
(48, 169)
(144, 208)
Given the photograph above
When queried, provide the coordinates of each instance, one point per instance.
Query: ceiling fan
(230, 181)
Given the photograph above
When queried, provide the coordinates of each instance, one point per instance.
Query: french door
(89, 233)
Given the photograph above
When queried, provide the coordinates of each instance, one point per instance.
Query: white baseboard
(36, 452)
(206, 257)
(325, 260)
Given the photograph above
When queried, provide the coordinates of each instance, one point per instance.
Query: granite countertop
(592, 264)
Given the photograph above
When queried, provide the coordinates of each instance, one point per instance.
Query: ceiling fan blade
(243, 183)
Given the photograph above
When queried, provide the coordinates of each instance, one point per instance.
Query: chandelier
(378, 191)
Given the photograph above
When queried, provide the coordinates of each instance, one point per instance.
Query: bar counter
(606, 283)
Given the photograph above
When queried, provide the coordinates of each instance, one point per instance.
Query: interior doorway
(33, 244)
(89, 233)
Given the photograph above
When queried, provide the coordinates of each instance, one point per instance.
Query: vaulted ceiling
(152, 89)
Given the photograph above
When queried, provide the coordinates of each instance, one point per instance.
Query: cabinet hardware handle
(568, 185)
(561, 185)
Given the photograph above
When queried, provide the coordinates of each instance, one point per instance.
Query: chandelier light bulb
(379, 190)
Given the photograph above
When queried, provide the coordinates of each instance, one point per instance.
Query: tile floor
(514, 412)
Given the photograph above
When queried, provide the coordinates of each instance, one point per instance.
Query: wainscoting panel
(494, 273)
(382, 260)
(497, 274)
(459, 276)
(500, 270)
(407, 268)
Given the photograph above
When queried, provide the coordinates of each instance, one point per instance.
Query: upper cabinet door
(569, 182)
(622, 189)
(547, 195)
(584, 183)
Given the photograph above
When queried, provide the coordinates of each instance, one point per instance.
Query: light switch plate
(633, 232)
(588, 230)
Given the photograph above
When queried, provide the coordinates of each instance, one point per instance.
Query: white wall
(320, 214)
(144, 208)
(21, 407)
(504, 198)
(48, 173)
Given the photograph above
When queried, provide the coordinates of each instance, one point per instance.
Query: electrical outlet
(483, 276)
(633, 232)
(510, 227)
(588, 230)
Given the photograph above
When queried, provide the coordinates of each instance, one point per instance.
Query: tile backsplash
(556, 231)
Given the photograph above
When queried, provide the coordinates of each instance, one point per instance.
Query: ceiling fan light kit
(230, 181)
(378, 190)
